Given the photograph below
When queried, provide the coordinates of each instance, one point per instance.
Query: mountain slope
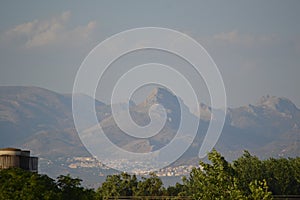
(27, 110)
(273, 121)
(41, 120)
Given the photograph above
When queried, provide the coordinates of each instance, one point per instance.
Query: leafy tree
(71, 188)
(295, 164)
(151, 186)
(124, 184)
(18, 184)
(259, 190)
(176, 190)
(248, 168)
(281, 176)
(118, 185)
(219, 180)
(213, 181)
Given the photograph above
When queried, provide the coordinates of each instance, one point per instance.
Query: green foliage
(213, 181)
(118, 185)
(151, 186)
(19, 184)
(259, 190)
(295, 164)
(177, 190)
(281, 175)
(246, 178)
(71, 188)
(248, 168)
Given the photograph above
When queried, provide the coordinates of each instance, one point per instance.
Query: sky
(255, 44)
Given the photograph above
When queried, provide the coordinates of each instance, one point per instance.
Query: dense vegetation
(245, 178)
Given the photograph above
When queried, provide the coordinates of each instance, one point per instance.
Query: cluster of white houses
(12, 157)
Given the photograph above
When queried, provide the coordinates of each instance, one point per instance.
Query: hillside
(41, 120)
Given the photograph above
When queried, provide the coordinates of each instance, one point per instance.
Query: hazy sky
(255, 44)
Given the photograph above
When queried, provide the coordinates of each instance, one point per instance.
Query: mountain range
(41, 120)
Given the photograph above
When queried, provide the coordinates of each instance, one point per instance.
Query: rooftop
(10, 149)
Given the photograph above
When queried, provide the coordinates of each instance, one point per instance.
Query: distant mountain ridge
(41, 120)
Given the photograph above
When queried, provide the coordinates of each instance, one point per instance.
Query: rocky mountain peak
(161, 96)
(204, 112)
(277, 103)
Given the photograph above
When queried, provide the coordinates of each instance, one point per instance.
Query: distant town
(136, 168)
